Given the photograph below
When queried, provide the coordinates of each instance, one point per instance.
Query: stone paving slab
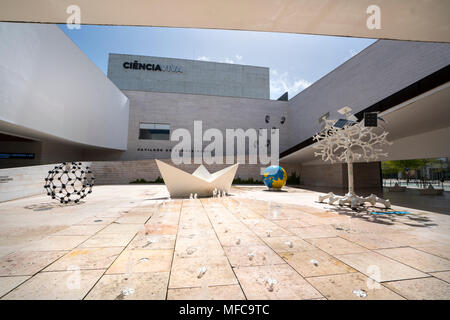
(342, 287)
(133, 218)
(121, 228)
(186, 248)
(63, 285)
(9, 283)
(235, 227)
(443, 275)
(140, 261)
(288, 244)
(402, 239)
(239, 239)
(290, 285)
(55, 243)
(292, 223)
(252, 256)
(161, 229)
(369, 240)
(315, 263)
(274, 231)
(421, 289)
(27, 262)
(417, 259)
(108, 240)
(170, 219)
(379, 267)
(185, 272)
(192, 233)
(79, 230)
(260, 223)
(86, 258)
(322, 231)
(145, 241)
(336, 245)
(230, 292)
(440, 250)
(98, 220)
(145, 286)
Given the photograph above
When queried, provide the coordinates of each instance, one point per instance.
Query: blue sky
(295, 61)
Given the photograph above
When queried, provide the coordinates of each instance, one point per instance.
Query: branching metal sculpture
(348, 143)
(69, 182)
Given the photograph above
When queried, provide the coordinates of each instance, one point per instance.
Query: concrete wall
(366, 175)
(180, 111)
(124, 172)
(380, 70)
(22, 182)
(50, 90)
(196, 77)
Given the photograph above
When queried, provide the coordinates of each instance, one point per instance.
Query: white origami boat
(181, 184)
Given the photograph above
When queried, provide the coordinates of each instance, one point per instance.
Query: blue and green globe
(274, 177)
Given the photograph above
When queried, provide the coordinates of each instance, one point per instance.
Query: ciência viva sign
(136, 65)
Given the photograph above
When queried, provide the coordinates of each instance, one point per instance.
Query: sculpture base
(353, 200)
(274, 189)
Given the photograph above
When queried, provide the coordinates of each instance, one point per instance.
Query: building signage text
(151, 66)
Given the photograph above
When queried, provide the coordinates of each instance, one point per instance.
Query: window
(154, 131)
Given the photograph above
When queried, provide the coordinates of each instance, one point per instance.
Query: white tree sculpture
(352, 142)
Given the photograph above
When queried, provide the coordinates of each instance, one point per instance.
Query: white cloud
(204, 58)
(236, 57)
(280, 83)
(228, 60)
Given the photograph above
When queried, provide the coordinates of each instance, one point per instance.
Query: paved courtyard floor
(132, 242)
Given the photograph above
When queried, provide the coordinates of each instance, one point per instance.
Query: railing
(417, 183)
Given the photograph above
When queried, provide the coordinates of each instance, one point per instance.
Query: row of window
(154, 131)
(157, 131)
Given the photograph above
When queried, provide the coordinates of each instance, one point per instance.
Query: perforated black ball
(57, 182)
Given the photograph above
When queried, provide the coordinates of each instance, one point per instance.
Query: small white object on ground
(201, 272)
(360, 293)
(251, 255)
(289, 244)
(238, 241)
(127, 291)
(270, 283)
(190, 250)
(314, 262)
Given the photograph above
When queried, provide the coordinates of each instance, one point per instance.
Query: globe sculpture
(69, 182)
(274, 177)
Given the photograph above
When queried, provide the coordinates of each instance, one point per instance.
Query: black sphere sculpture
(68, 182)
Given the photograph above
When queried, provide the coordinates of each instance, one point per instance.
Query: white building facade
(56, 105)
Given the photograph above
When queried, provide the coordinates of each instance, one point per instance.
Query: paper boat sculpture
(181, 184)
